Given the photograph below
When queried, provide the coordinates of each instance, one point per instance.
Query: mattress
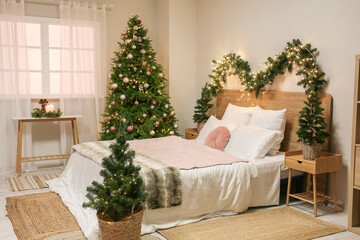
(207, 192)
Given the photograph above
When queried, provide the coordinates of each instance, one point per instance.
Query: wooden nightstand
(191, 133)
(326, 163)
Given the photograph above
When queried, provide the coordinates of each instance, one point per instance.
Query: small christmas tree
(137, 97)
(121, 188)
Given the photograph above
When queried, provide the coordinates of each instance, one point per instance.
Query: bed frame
(292, 101)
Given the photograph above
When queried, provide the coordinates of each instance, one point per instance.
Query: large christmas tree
(137, 96)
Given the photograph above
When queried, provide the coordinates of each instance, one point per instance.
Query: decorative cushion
(250, 142)
(237, 114)
(218, 138)
(210, 125)
(272, 120)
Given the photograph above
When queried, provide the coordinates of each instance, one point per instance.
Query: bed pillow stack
(255, 132)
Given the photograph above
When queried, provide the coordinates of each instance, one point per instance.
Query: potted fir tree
(312, 132)
(119, 199)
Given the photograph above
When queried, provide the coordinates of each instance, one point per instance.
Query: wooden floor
(325, 213)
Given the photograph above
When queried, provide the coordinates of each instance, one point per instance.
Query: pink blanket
(181, 153)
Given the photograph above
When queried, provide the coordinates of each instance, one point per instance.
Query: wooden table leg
(288, 188)
(75, 131)
(334, 189)
(314, 190)
(19, 148)
(308, 182)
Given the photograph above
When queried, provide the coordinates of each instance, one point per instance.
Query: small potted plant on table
(119, 199)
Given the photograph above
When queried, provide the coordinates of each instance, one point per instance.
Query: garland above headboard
(312, 125)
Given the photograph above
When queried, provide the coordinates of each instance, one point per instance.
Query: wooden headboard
(292, 101)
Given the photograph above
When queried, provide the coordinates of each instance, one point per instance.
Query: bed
(207, 191)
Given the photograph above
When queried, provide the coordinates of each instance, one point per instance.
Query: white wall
(182, 59)
(258, 29)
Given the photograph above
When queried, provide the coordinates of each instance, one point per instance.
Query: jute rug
(30, 182)
(44, 216)
(279, 223)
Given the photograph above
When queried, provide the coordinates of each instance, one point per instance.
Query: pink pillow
(218, 138)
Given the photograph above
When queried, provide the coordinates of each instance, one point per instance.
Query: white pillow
(210, 125)
(272, 120)
(250, 142)
(237, 114)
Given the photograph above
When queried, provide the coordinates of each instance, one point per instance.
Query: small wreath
(311, 121)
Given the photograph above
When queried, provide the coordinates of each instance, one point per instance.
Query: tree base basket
(127, 229)
(200, 125)
(311, 152)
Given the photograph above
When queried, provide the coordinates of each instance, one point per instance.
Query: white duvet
(207, 192)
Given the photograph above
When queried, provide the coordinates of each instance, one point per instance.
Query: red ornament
(148, 73)
(125, 36)
(139, 21)
(154, 102)
(112, 103)
(112, 129)
(136, 102)
(130, 128)
(170, 121)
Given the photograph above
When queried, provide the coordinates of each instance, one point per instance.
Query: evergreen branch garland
(39, 113)
(311, 121)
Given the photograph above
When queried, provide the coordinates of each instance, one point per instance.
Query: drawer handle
(300, 162)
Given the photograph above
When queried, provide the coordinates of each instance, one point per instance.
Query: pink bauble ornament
(125, 36)
(161, 75)
(112, 103)
(170, 121)
(139, 21)
(164, 115)
(130, 128)
(148, 73)
(142, 51)
(116, 59)
(154, 102)
(139, 39)
(136, 102)
(155, 58)
(112, 129)
(152, 133)
(133, 46)
(144, 63)
(156, 124)
(126, 80)
(114, 85)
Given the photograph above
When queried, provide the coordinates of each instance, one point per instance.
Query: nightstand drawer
(304, 166)
(191, 133)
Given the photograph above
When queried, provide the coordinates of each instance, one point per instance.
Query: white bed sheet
(223, 193)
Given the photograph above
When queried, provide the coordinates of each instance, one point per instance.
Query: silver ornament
(166, 105)
(110, 74)
(149, 56)
(144, 115)
(153, 67)
(152, 107)
(119, 65)
(120, 75)
(124, 120)
(142, 51)
(161, 75)
(152, 133)
(139, 39)
(133, 46)
(128, 41)
(146, 85)
(107, 131)
(135, 68)
(114, 85)
(130, 56)
(122, 97)
(172, 113)
(164, 115)
(158, 91)
(141, 88)
(172, 133)
(176, 126)
(126, 80)
(116, 114)
(135, 27)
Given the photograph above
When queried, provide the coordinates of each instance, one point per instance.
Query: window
(52, 57)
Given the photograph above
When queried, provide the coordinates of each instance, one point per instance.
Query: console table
(22, 120)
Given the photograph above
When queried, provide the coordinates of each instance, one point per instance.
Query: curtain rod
(57, 2)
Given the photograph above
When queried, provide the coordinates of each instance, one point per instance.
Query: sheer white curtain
(83, 66)
(14, 82)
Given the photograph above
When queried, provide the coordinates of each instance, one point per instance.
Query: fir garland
(39, 113)
(311, 121)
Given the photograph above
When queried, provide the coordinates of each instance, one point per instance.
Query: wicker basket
(200, 125)
(311, 152)
(127, 229)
